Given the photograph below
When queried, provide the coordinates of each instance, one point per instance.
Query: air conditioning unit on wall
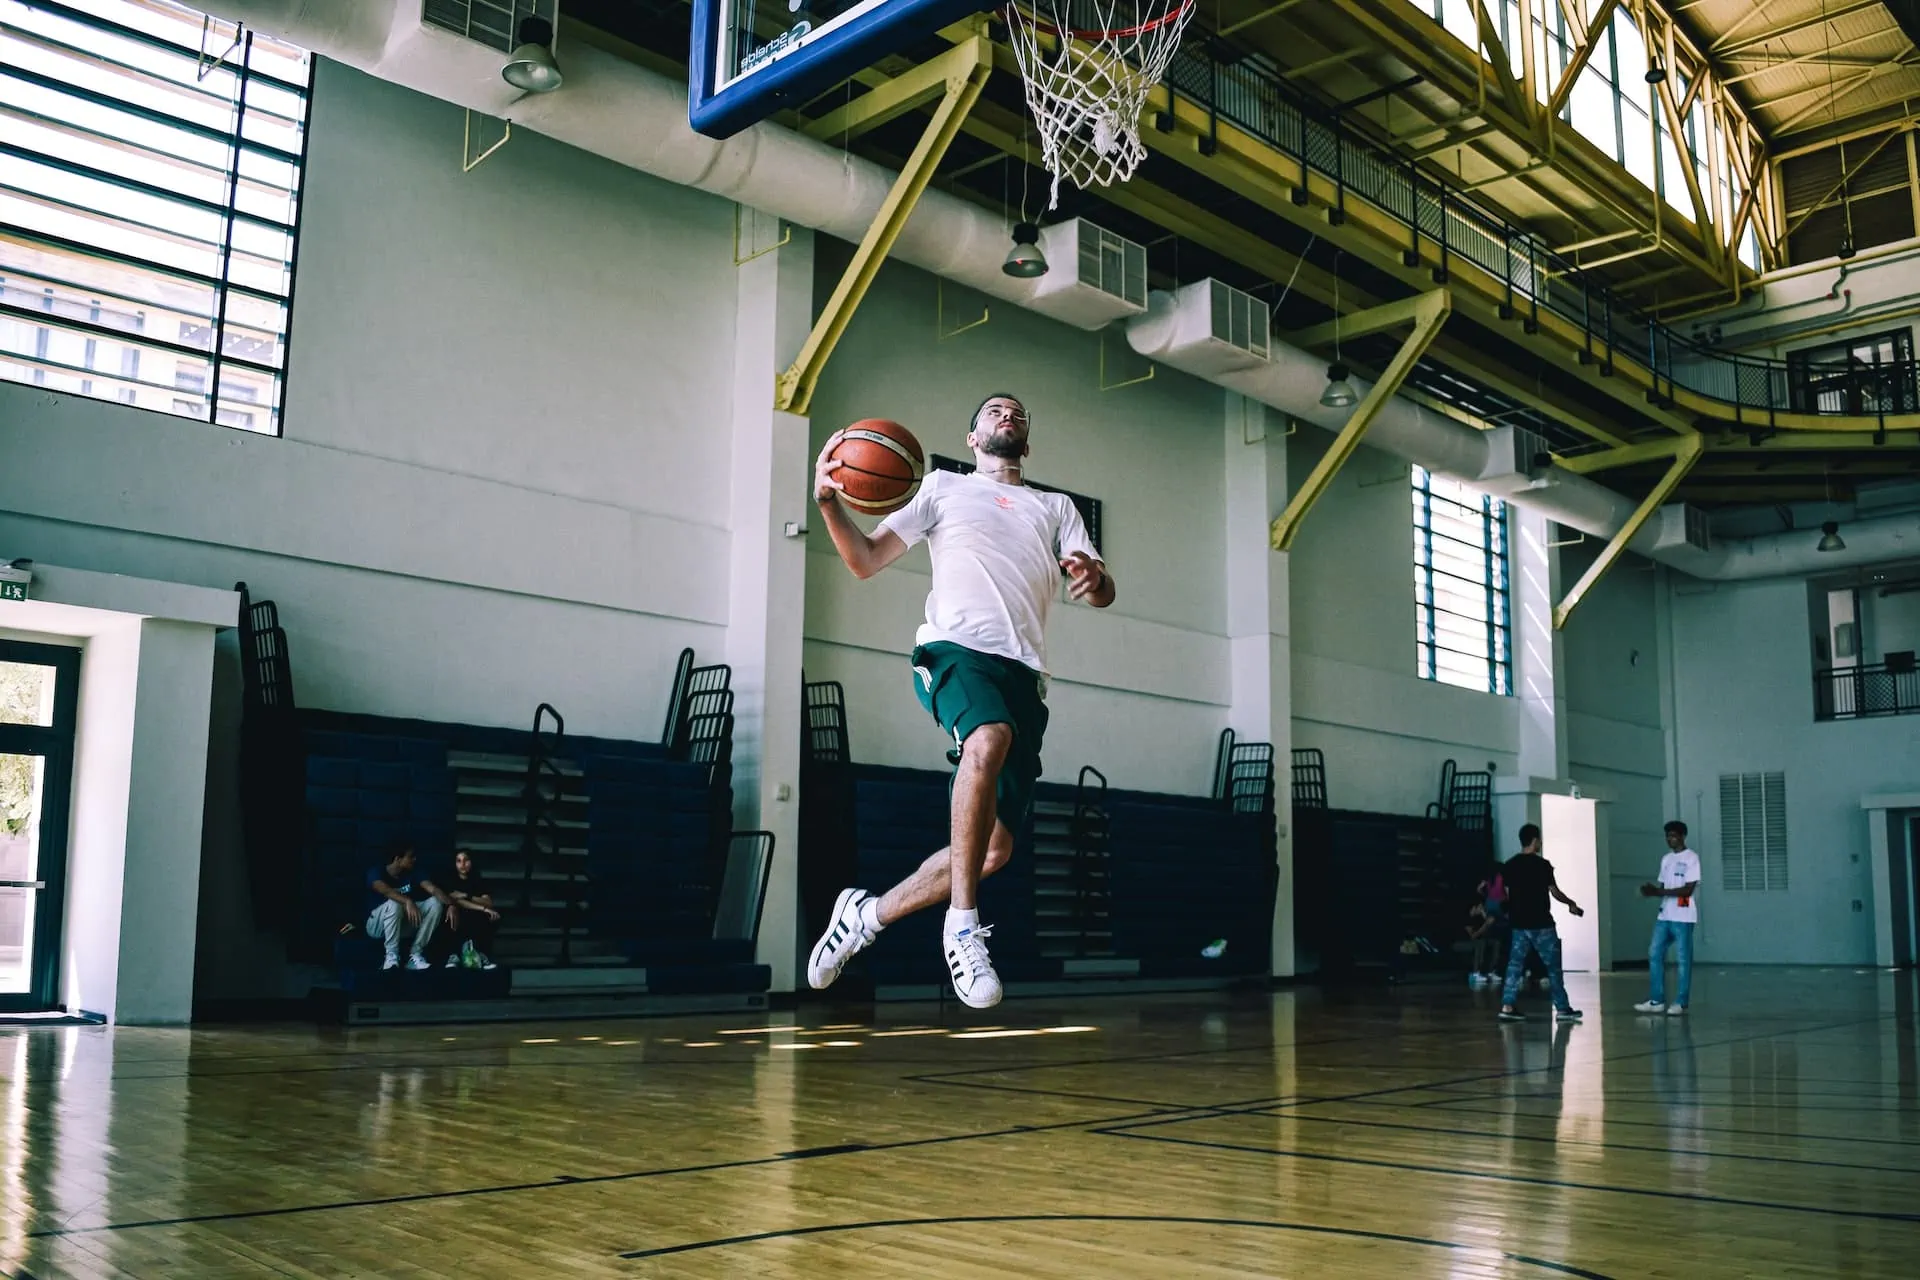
(1679, 525)
(1098, 276)
(1515, 456)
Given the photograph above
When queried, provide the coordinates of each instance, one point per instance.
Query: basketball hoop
(1088, 79)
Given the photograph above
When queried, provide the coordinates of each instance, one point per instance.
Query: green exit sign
(13, 591)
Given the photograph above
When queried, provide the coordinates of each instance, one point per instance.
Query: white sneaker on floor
(1676, 1010)
(393, 962)
(486, 961)
(416, 962)
(974, 980)
(846, 935)
(1650, 1006)
(453, 961)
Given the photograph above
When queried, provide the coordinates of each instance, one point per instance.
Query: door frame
(55, 743)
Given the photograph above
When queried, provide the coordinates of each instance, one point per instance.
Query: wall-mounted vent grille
(1239, 319)
(1753, 831)
(1113, 264)
(1524, 450)
(1699, 528)
(488, 22)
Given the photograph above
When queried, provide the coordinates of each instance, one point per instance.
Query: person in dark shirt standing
(1529, 882)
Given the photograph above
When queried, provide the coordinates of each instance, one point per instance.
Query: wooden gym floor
(1773, 1132)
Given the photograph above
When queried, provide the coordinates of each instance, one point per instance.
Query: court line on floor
(1300, 1117)
(1560, 1268)
(565, 1180)
(1558, 1183)
(1365, 1096)
(1656, 1124)
(1653, 1099)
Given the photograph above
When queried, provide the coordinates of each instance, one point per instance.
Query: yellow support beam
(884, 102)
(1428, 311)
(1624, 456)
(1362, 323)
(1687, 451)
(963, 70)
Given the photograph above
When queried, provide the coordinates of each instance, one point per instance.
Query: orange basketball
(881, 466)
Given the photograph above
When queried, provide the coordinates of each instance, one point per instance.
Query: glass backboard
(751, 58)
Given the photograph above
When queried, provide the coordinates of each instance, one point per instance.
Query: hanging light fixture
(1656, 72)
(1339, 393)
(530, 67)
(1024, 260)
(1830, 539)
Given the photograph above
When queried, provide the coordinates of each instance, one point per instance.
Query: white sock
(958, 919)
(870, 915)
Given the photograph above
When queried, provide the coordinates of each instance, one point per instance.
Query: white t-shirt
(996, 560)
(1677, 869)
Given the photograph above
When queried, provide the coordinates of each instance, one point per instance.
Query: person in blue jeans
(1529, 881)
(1676, 888)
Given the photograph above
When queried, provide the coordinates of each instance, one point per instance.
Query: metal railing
(540, 840)
(1251, 94)
(1855, 693)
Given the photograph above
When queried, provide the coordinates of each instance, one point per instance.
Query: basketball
(880, 465)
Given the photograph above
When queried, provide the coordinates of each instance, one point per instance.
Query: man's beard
(1003, 444)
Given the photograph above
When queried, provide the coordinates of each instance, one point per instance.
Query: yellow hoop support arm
(963, 70)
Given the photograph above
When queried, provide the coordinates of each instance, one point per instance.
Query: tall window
(150, 166)
(1611, 104)
(1462, 610)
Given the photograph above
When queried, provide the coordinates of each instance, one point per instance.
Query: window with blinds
(1462, 601)
(1753, 831)
(150, 168)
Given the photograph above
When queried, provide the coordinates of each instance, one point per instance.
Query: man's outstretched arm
(864, 555)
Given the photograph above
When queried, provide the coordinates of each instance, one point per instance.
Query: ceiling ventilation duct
(638, 118)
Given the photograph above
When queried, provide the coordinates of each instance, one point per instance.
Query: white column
(160, 897)
(1539, 652)
(1538, 659)
(1258, 622)
(767, 583)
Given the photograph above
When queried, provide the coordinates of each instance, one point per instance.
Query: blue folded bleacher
(656, 852)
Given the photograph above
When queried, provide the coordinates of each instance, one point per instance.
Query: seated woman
(474, 919)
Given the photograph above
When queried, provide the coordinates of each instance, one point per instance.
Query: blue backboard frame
(720, 111)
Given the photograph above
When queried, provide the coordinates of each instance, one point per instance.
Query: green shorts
(963, 689)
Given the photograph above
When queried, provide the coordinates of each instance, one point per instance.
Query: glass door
(39, 695)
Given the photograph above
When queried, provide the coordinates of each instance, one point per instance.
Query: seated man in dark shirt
(1529, 883)
(399, 903)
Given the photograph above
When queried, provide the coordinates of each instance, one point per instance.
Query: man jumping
(979, 666)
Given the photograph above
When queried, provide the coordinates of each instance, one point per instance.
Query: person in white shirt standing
(979, 665)
(1673, 928)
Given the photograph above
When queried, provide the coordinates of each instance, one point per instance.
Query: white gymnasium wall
(504, 477)
(1616, 725)
(1892, 622)
(472, 509)
(1140, 691)
(1744, 704)
(1356, 696)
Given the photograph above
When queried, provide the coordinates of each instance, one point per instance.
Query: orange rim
(1106, 33)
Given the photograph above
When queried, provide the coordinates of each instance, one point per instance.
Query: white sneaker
(453, 961)
(486, 961)
(846, 936)
(393, 962)
(1675, 1010)
(1650, 1006)
(416, 962)
(974, 980)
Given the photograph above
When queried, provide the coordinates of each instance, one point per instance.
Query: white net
(1088, 66)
